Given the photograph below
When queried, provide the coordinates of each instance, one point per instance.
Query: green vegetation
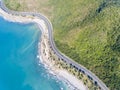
(13, 5)
(42, 6)
(88, 31)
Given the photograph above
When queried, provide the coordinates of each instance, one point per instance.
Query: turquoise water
(19, 69)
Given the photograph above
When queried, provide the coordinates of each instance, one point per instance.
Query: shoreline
(44, 50)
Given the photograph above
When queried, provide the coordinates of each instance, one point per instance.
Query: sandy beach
(44, 50)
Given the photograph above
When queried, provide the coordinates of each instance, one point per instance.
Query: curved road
(66, 59)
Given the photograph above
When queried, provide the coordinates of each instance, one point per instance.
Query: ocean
(19, 65)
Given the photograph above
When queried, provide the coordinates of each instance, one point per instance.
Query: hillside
(88, 31)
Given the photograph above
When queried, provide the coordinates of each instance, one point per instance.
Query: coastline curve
(66, 59)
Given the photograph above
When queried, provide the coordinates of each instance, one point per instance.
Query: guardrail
(61, 56)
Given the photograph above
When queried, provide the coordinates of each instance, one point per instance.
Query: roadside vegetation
(88, 31)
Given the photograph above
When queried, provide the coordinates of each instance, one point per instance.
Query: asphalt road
(61, 56)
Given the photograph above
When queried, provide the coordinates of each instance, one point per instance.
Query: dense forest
(88, 31)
